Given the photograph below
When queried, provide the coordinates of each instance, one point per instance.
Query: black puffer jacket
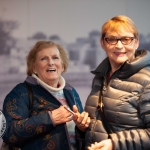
(126, 98)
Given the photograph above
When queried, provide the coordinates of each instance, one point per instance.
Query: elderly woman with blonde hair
(118, 104)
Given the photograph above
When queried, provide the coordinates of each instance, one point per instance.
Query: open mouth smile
(50, 70)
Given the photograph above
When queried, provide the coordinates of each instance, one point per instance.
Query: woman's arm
(21, 127)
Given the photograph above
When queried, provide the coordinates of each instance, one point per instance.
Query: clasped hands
(61, 115)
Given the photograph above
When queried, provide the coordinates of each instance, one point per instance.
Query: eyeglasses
(124, 40)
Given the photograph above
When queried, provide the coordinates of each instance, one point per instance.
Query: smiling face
(49, 66)
(119, 53)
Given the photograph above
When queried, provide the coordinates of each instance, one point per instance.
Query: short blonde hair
(115, 23)
(40, 45)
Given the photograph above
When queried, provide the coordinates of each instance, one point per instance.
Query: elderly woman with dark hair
(49, 126)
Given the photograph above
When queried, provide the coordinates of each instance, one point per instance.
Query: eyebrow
(119, 37)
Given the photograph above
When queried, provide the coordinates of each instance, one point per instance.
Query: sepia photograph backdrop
(75, 24)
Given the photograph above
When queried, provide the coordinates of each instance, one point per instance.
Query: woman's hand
(103, 145)
(61, 115)
(81, 120)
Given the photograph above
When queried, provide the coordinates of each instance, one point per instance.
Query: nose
(51, 62)
(119, 44)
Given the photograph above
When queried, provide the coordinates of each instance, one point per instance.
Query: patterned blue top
(38, 131)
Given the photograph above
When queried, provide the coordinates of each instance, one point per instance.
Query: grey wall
(75, 24)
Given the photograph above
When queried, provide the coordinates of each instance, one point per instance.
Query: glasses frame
(120, 39)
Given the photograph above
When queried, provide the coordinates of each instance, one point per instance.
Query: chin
(121, 60)
(53, 79)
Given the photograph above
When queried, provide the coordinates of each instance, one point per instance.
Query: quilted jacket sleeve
(19, 126)
(138, 139)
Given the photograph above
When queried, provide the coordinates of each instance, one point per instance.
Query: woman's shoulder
(76, 96)
(19, 86)
(69, 87)
(18, 89)
(142, 76)
(18, 92)
(145, 71)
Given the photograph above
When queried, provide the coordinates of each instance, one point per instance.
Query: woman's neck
(59, 86)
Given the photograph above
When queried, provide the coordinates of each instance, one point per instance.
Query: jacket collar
(67, 90)
(142, 59)
(34, 81)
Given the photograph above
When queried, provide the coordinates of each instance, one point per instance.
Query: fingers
(68, 109)
(92, 147)
(89, 148)
(82, 118)
(61, 115)
(87, 122)
(75, 109)
(95, 146)
(82, 121)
